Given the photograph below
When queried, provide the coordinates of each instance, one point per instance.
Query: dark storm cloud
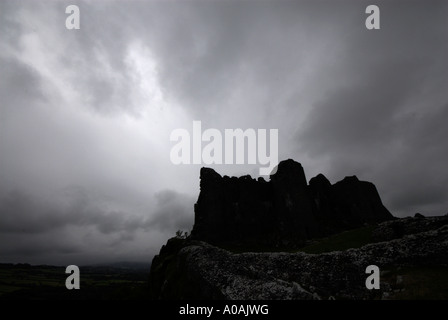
(18, 85)
(55, 229)
(94, 55)
(32, 226)
(18, 245)
(212, 52)
(98, 54)
(174, 212)
(383, 118)
(23, 213)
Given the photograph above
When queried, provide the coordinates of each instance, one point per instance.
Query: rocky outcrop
(284, 211)
(406, 226)
(247, 215)
(347, 204)
(188, 269)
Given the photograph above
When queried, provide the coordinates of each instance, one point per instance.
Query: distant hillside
(26, 282)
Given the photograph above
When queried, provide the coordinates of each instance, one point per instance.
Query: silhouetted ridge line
(284, 211)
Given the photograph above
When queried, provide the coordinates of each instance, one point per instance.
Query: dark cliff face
(347, 204)
(282, 212)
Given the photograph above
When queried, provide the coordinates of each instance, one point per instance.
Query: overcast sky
(86, 115)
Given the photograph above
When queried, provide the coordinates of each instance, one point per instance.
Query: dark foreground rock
(400, 227)
(188, 269)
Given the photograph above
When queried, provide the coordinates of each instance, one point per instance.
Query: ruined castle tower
(284, 211)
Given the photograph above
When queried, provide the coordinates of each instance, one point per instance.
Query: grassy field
(342, 241)
(22, 281)
(355, 238)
